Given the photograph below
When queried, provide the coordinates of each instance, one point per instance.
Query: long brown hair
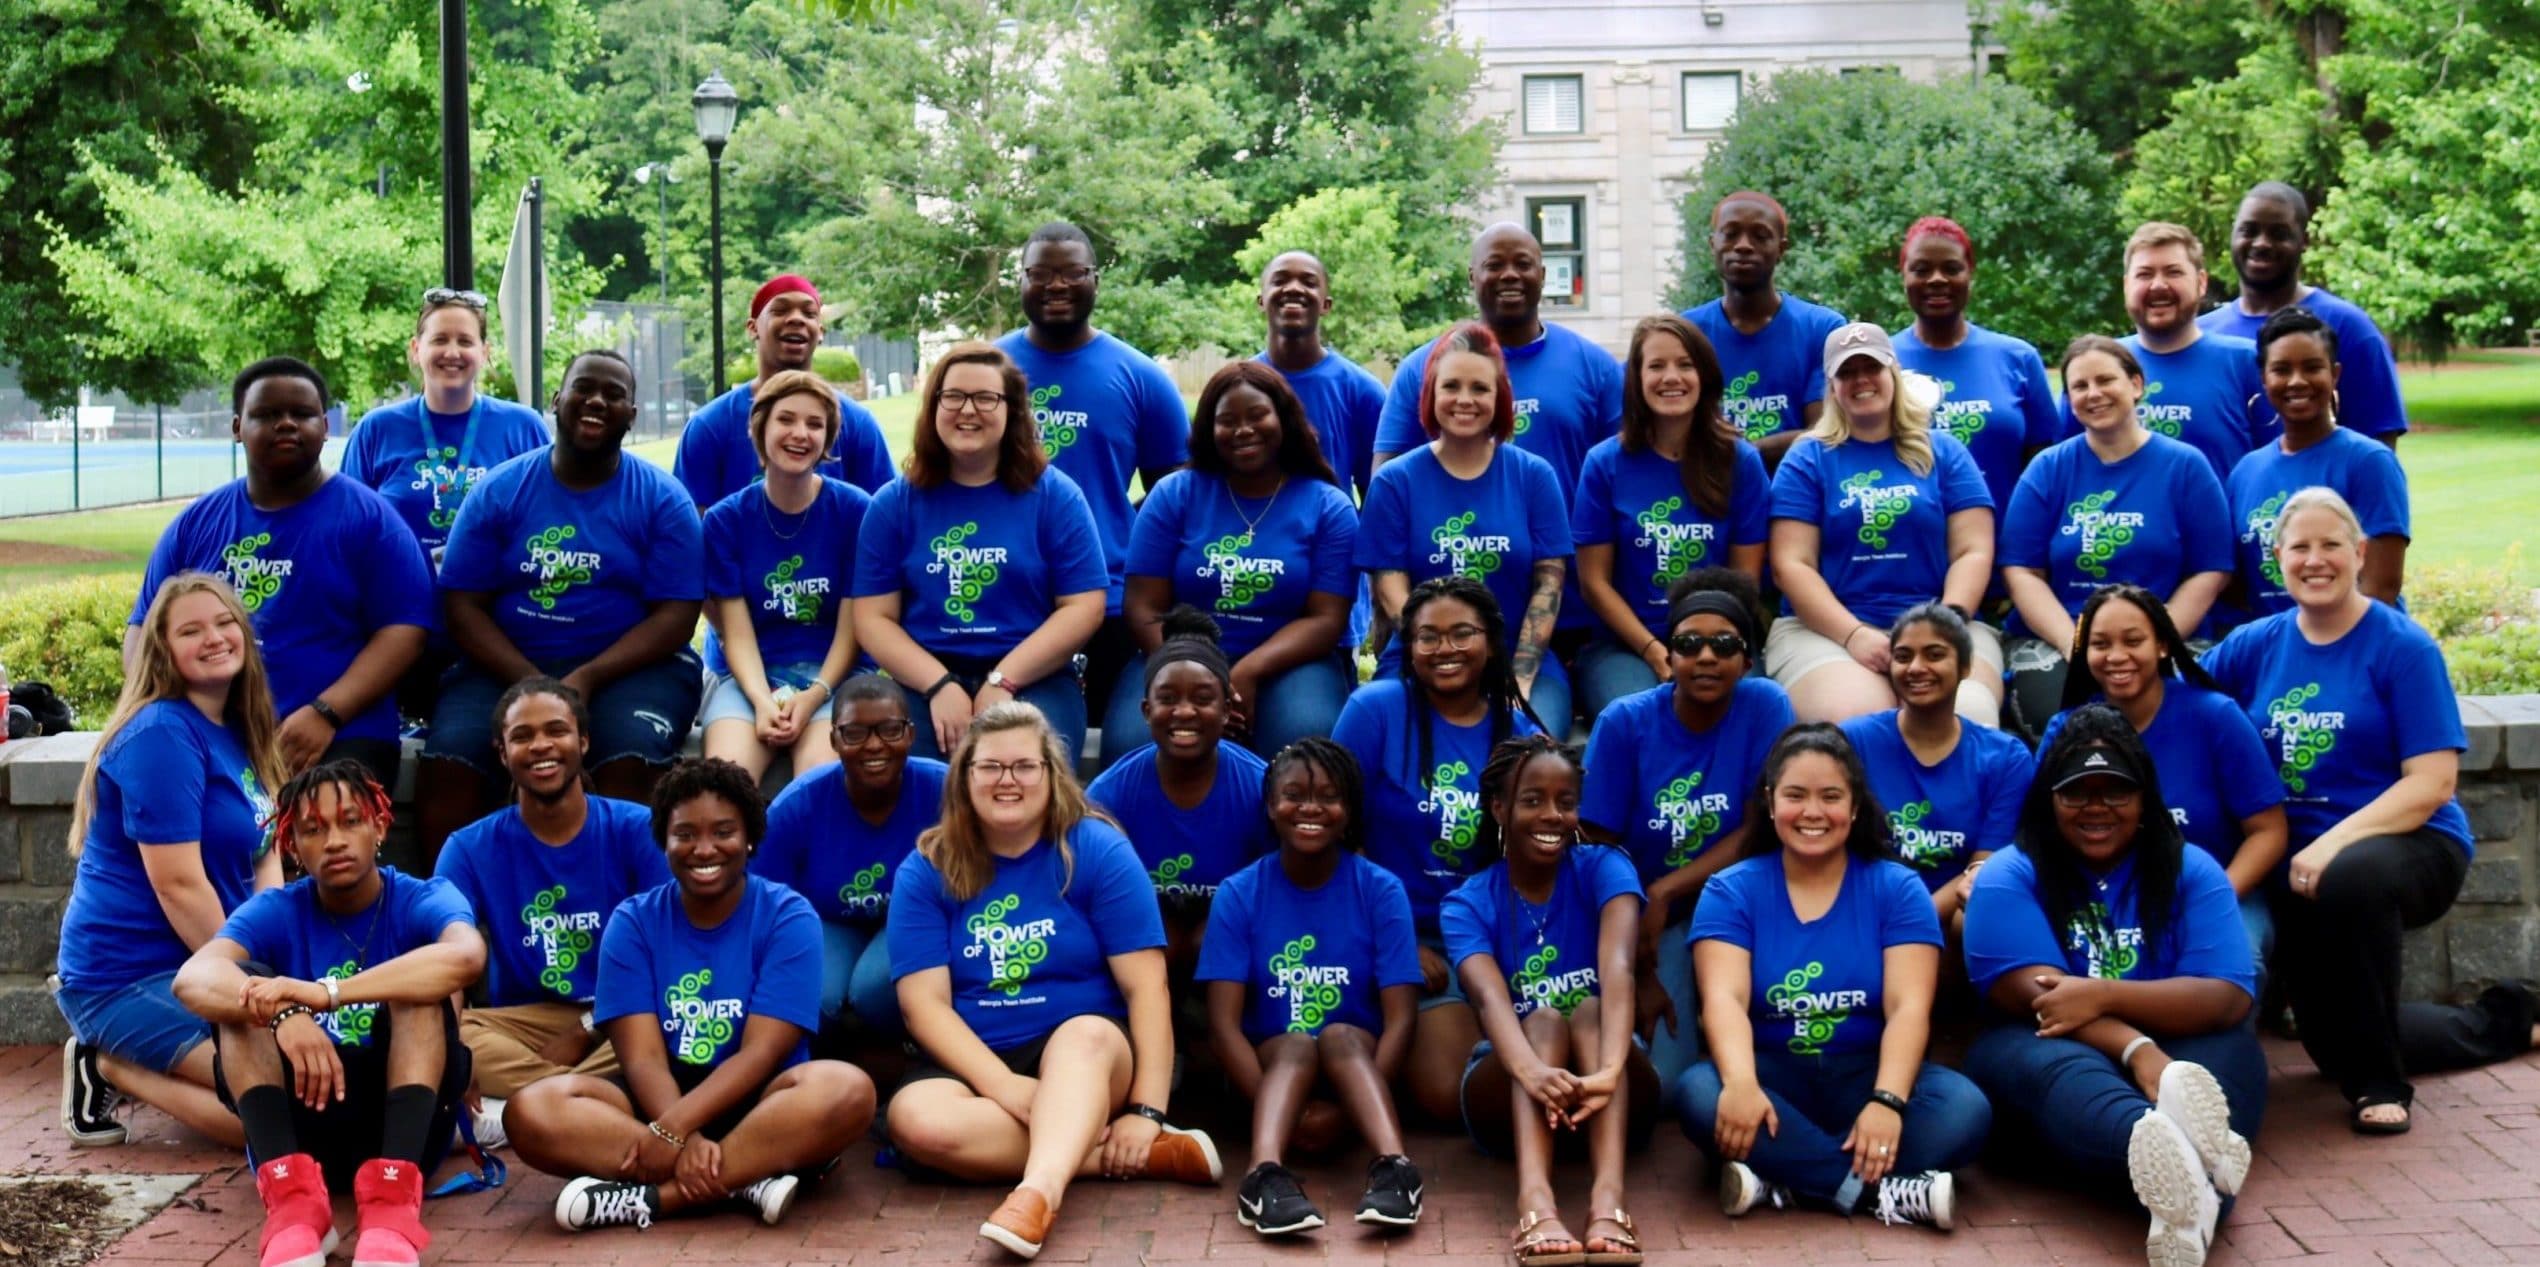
(958, 845)
(154, 677)
(1709, 464)
(1020, 459)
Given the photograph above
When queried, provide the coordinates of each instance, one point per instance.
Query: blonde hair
(154, 677)
(787, 383)
(2318, 497)
(1909, 407)
(958, 845)
(2163, 233)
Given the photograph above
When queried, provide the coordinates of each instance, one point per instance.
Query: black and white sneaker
(1741, 1190)
(1273, 1203)
(590, 1202)
(1393, 1192)
(1930, 1198)
(770, 1198)
(89, 1101)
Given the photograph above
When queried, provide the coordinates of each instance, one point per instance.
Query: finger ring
(1882, 1150)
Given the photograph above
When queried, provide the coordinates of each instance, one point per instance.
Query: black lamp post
(716, 106)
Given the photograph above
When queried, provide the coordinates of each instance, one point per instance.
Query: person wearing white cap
(1874, 512)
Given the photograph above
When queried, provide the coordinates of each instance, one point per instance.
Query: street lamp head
(717, 105)
(645, 174)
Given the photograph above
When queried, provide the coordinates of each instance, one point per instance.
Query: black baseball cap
(2096, 759)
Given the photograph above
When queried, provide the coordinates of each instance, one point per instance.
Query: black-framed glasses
(1026, 772)
(2113, 797)
(1722, 645)
(443, 296)
(852, 735)
(954, 400)
(1459, 638)
(1077, 276)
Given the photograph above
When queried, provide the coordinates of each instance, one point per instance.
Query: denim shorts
(726, 701)
(1454, 991)
(645, 714)
(141, 1022)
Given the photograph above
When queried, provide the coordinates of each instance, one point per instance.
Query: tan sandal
(1625, 1251)
(1535, 1249)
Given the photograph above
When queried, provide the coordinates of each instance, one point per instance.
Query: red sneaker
(389, 1196)
(299, 1218)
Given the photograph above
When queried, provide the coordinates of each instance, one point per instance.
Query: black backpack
(36, 709)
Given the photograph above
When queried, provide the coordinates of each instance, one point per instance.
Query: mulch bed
(55, 1222)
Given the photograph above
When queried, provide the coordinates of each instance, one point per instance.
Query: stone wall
(2492, 932)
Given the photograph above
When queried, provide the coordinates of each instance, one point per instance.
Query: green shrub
(2486, 620)
(70, 634)
(838, 365)
(2505, 661)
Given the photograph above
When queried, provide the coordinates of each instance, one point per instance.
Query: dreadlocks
(350, 779)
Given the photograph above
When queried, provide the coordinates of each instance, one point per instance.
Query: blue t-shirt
(2340, 718)
(1106, 411)
(795, 581)
(819, 846)
(424, 462)
(2008, 926)
(1309, 958)
(2363, 471)
(704, 984)
(1345, 403)
(2213, 767)
(2200, 395)
(716, 458)
(1420, 818)
(1818, 988)
(1669, 793)
(2153, 518)
(978, 569)
(1995, 396)
(1940, 816)
(318, 579)
(1423, 521)
(1883, 531)
(1770, 377)
(1188, 852)
(170, 776)
(2368, 379)
(571, 571)
(1637, 503)
(1568, 395)
(286, 930)
(1229, 556)
(1547, 952)
(544, 906)
(1027, 955)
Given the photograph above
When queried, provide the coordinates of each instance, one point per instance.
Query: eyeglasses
(2105, 798)
(442, 296)
(1058, 276)
(1722, 645)
(953, 402)
(851, 735)
(1025, 772)
(1460, 638)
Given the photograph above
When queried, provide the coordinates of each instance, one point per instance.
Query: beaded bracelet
(674, 1141)
(288, 1011)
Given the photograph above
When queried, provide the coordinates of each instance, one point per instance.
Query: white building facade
(1609, 105)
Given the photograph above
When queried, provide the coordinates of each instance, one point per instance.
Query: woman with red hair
(1994, 393)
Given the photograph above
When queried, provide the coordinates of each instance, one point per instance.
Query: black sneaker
(1393, 1192)
(88, 1100)
(1272, 1203)
(590, 1202)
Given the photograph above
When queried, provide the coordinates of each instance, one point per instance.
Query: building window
(1561, 225)
(1850, 71)
(1554, 104)
(1710, 99)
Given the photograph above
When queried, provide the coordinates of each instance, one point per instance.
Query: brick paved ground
(2464, 1187)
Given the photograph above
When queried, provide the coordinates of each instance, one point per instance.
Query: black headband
(1200, 651)
(1715, 603)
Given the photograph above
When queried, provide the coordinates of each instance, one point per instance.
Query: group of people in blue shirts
(1792, 839)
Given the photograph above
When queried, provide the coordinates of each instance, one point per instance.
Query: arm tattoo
(1536, 629)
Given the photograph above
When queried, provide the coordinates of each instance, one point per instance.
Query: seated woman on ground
(779, 555)
(1952, 791)
(1029, 954)
(709, 993)
(168, 831)
(1539, 938)
(341, 1058)
(1313, 988)
(2116, 960)
(1191, 800)
(1817, 958)
(837, 835)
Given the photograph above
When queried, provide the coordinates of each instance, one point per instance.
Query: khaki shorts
(1793, 651)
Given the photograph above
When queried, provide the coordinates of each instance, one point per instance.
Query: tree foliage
(2268, 121)
(1856, 159)
(1377, 269)
(2115, 67)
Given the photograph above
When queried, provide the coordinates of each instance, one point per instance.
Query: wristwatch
(334, 993)
(998, 679)
(1890, 1099)
(1147, 1111)
(587, 1026)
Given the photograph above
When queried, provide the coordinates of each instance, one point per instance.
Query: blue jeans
(1305, 700)
(2070, 1103)
(1816, 1099)
(1060, 697)
(2259, 921)
(1673, 1047)
(1605, 672)
(855, 979)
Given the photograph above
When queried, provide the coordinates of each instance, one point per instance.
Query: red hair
(1476, 338)
(1940, 226)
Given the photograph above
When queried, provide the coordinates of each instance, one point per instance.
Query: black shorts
(348, 1132)
(690, 1077)
(1023, 1058)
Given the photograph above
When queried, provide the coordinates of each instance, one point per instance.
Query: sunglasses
(1722, 645)
(443, 296)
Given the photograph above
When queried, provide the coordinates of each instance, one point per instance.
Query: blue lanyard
(461, 477)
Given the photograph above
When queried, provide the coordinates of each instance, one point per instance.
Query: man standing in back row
(2196, 386)
(2269, 234)
(1344, 402)
(1771, 344)
(716, 458)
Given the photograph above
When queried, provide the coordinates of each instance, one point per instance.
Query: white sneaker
(770, 1197)
(1741, 1190)
(1930, 1198)
(2193, 1098)
(487, 1122)
(2171, 1183)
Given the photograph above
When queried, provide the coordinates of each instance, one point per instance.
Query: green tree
(1377, 271)
(2270, 121)
(2115, 66)
(1855, 159)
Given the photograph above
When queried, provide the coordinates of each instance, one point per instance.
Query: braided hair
(2158, 849)
(350, 779)
(1315, 752)
(1500, 695)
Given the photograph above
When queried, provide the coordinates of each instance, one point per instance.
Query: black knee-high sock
(405, 1122)
(265, 1112)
